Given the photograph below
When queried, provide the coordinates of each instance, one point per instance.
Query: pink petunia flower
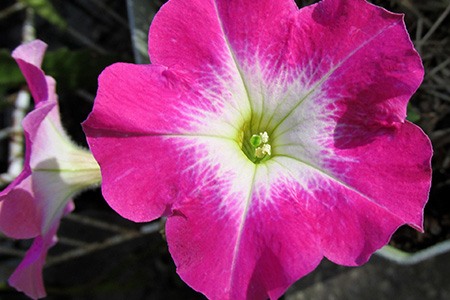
(270, 137)
(55, 169)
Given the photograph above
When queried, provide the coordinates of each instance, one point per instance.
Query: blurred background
(102, 256)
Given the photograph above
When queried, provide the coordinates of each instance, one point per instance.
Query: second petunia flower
(270, 137)
(55, 170)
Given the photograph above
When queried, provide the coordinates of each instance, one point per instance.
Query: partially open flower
(270, 137)
(55, 169)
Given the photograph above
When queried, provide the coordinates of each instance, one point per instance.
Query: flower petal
(218, 44)
(188, 38)
(152, 100)
(19, 218)
(162, 164)
(396, 168)
(156, 109)
(294, 216)
(258, 32)
(192, 35)
(27, 277)
(29, 58)
(255, 252)
(350, 57)
(283, 65)
(348, 225)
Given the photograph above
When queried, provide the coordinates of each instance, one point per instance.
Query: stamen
(261, 146)
(262, 151)
(264, 137)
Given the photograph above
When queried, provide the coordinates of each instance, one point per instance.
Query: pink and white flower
(270, 137)
(55, 169)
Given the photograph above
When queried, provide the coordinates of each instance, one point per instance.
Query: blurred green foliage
(413, 114)
(10, 75)
(45, 10)
(72, 69)
(76, 69)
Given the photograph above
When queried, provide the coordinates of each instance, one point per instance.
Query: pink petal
(296, 215)
(373, 67)
(19, 218)
(349, 57)
(191, 35)
(133, 149)
(23, 205)
(347, 224)
(252, 253)
(31, 52)
(122, 84)
(125, 161)
(189, 40)
(27, 277)
(29, 58)
(396, 168)
(19, 213)
(165, 166)
(144, 145)
(152, 100)
(259, 33)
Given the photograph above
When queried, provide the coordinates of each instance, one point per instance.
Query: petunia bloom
(55, 169)
(269, 136)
